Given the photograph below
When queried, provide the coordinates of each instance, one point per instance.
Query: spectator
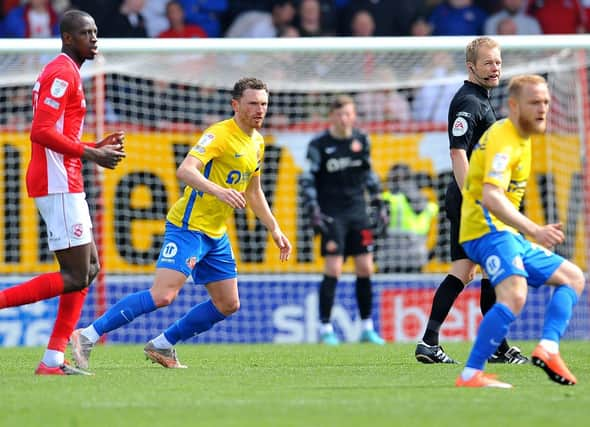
(34, 19)
(310, 19)
(154, 13)
(128, 21)
(457, 18)
(507, 27)
(558, 16)
(289, 31)
(263, 24)
(392, 18)
(178, 28)
(404, 248)
(7, 6)
(512, 9)
(362, 24)
(420, 28)
(207, 14)
(384, 105)
(432, 99)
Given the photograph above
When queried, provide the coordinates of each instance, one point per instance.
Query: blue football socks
(199, 319)
(558, 313)
(124, 311)
(492, 330)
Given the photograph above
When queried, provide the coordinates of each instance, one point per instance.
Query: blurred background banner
(139, 192)
(283, 309)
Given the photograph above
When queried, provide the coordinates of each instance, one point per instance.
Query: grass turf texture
(287, 385)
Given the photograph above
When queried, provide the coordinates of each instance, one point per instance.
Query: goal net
(164, 93)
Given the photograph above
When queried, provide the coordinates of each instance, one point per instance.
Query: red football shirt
(59, 108)
(189, 31)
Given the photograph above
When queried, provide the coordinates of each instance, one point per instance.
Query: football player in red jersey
(54, 180)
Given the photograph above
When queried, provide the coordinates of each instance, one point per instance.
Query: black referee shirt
(470, 115)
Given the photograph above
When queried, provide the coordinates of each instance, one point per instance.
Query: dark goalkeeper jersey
(470, 115)
(339, 173)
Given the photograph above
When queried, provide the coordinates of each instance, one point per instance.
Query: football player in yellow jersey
(491, 227)
(222, 173)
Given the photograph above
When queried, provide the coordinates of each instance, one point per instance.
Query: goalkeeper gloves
(380, 216)
(319, 221)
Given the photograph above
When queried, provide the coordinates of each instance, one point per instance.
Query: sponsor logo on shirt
(330, 150)
(356, 146)
(52, 103)
(58, 88)
(169, 250)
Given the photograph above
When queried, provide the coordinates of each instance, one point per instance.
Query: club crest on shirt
(356, 146)
(58, 88)
(191, 262)
(203, 142)
(460, 126)
(78, 230)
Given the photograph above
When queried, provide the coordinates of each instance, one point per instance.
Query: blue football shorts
(503, 254)
(194, 253)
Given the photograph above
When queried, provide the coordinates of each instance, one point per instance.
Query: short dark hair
(247, 83)
(340, 101)
(70, 20)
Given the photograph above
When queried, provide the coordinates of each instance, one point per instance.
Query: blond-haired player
(493, 234)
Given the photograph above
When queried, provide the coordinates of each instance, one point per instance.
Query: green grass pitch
(287, 385)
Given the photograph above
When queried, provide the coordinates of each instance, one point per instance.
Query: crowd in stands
(300, 18)
(288, 18)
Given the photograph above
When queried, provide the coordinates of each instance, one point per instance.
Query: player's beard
(531, 127)
(256, 123)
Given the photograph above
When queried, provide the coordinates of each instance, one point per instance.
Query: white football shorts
(67, 218)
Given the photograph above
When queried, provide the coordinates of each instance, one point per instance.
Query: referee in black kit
(470, 115)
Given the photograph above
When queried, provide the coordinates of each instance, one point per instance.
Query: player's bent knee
(93, 272)
(75, 281)
(228, 307)
(164, 299)
(577, 280)
(76, 285)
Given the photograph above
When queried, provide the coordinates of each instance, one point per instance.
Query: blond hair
(518, 82)
(472, 49)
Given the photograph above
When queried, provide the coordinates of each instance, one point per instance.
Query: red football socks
(38, 288)
(68, 314)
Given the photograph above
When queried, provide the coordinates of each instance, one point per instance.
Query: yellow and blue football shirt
(502, 158)
(230, 158)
